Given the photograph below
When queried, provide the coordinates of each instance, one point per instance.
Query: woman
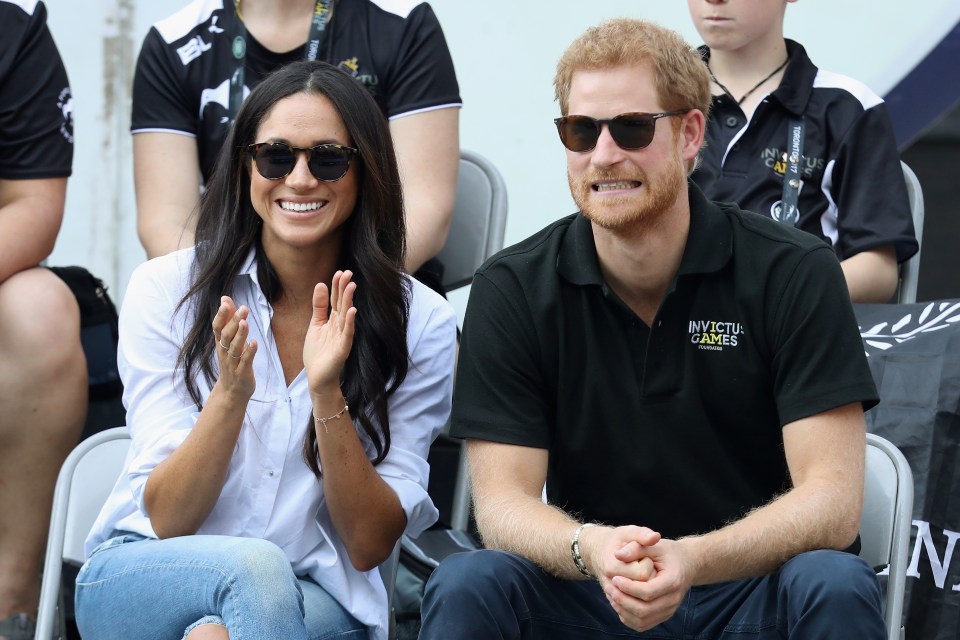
(278, 457)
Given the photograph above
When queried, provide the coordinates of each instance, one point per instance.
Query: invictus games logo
(776, 159)
(350, 66)
(714, 335)
(65, 104)
(353, 67)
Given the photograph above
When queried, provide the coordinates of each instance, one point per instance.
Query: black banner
(914, 354)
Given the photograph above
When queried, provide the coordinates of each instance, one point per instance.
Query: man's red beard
(629, 210)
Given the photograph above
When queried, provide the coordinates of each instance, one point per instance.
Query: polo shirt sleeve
(162, 99)
(868, 188)
(36, 107)
(818, 362)
(500, 392)
(422, 76)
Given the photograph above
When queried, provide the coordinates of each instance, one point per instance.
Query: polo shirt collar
(796, 86)
(577, 259)
(710, 239)
(709, 244)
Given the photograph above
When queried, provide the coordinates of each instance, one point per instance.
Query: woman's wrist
(230, 394)
(329, 408)
(327, 398)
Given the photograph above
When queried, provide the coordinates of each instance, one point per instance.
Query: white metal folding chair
(85, 481)
(910, 269)
(886, 521)
(476, 233)
(479, 220)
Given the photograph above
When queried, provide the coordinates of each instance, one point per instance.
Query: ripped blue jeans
(136, 587)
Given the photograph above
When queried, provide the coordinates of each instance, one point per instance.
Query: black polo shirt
(852, 194)
(36, 106)
(675, 426)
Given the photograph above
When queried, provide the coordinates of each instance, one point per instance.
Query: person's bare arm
(183, 489)
(825, 454)
(871, 275)
(364, 509)
(428, 152)
(31, 212)
(166, 172)
(507, 482)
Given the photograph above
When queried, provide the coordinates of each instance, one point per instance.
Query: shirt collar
(709, 244)
(797, 83)
(249, 274)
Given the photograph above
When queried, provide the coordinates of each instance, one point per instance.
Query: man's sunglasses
(327, 162)
(630, 131)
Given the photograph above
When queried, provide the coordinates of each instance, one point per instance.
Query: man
(849, 187)
(184, 99)
(686, 378)
(43, 372)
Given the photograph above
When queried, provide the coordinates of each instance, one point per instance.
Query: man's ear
(693, 126)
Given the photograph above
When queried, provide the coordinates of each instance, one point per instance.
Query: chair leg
(460, 517)
(61, 616)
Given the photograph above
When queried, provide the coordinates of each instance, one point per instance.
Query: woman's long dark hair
(373, 247)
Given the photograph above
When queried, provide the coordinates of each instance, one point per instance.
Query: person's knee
(208, 631)
(830, 578)
(263, 564)
(465, 573)
(41, 321)
(470, 580)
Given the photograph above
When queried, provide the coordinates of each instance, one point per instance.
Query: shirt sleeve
(868, 187)
(420, 407)
(818, 359)
(501, 392)
(150, 337)
(162, 97)
(36, 106)
(422, 75)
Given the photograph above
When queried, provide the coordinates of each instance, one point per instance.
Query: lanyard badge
(321, 16)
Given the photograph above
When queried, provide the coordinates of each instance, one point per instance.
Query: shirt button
(732, 121)
(271, 473)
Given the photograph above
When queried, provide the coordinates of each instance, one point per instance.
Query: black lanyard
(789, 213)
(321, 16)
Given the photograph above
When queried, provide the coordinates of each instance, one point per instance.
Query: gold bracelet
(335, 416)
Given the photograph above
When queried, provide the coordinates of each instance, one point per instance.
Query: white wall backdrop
(504, 51)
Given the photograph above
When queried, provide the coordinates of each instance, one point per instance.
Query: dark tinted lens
(632, 131)
(579, 133)
(329, 163)
(274, 161)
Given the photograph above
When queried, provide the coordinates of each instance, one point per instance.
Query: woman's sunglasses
(631, 131)
(327, 162)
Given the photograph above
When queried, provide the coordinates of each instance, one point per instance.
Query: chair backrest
(479, 220)
(910, 270)
(886, 521)
(86, 479)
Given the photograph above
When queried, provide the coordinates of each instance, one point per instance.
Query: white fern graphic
(934, 317)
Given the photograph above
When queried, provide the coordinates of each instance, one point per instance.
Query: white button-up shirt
(270, 492)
